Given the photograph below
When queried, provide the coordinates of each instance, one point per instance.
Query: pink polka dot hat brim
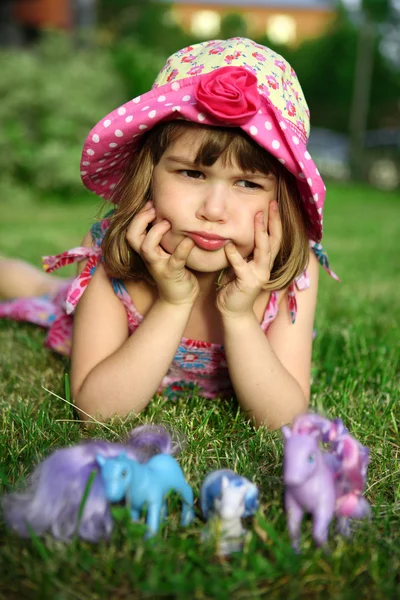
(111, 143)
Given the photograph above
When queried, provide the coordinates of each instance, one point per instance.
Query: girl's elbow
(84, 410)
(273, 422)
(87, 408)
(91, 408)
(90, 413)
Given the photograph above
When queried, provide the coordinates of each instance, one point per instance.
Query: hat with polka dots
(233, 82)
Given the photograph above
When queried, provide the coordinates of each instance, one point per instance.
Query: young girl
(192, 279)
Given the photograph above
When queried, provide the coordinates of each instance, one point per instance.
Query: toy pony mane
(53, 499)
(351, 458)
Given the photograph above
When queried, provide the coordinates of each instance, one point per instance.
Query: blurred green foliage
(326, 67)
(140, 35)
(377, 10)
(233, 25)
(50, 97)
(144, 22)
(53, 93)
(137, 66)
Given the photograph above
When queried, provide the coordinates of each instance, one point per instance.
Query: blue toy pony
(146, 484)
(53, 499)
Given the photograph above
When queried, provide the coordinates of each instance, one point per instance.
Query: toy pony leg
(343, 526)
(187, 515)
(164, 511)
(321, 521)
(154, 510)
(135, 514)
(295, 515)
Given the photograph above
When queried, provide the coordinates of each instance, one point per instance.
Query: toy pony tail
(53, 500)
(148, 440)
(65, 494)
(353, 506)
(354, 459)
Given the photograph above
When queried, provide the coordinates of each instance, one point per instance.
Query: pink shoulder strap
(79, 284)
(303, 281)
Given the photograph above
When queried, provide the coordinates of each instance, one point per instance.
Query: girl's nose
(213, 204)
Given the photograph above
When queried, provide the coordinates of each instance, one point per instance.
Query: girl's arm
(113, 373)
(271, 372)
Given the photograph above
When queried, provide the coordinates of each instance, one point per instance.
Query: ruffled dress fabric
(197, 364)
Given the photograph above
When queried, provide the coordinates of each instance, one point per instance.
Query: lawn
(355, 377)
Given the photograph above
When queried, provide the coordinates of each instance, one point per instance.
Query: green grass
(355, 377)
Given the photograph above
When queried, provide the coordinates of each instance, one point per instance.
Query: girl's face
(212, 205)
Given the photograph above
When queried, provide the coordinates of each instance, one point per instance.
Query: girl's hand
(238, 294)
(176, 285)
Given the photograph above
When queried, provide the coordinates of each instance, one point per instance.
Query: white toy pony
(225, 499)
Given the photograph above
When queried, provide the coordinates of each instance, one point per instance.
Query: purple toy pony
(325, 483)
(54, 497)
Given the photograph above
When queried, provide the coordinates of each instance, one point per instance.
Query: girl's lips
(207, 242)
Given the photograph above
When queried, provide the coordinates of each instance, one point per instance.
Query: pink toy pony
(325, 483)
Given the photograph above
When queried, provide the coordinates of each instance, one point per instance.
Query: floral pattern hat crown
(233, 82)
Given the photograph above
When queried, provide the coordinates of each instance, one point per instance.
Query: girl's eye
(191, 174)
(248, 184)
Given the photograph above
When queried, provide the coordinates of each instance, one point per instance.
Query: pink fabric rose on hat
(229, 94)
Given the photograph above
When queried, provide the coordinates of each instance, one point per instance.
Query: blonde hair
(231, 145)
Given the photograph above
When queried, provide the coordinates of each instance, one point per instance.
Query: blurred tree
(137, 66)
(326, 67)
(50, 98)
(373, 13)
(142, 21)
(233, 25)
(10, 32)
(140, 35)
(376, 11)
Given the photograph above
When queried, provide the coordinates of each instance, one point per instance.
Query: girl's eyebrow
(180, 160)
(242, 174)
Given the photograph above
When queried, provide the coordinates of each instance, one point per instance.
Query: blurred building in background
(22, 20)
(44, 14)
(283, 21)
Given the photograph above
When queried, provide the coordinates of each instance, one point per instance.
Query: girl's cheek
(161, 213)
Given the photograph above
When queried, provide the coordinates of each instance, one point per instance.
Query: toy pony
(225, 498)
(146, 484)
(325, 483)
(66, 494)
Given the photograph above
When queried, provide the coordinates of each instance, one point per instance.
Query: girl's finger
(274, 228)
(262, 246)
(152, 239)
(137, 228)
(149, 204)
(235, 259)
(181, 253)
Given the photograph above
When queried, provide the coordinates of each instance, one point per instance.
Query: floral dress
(197, 364)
